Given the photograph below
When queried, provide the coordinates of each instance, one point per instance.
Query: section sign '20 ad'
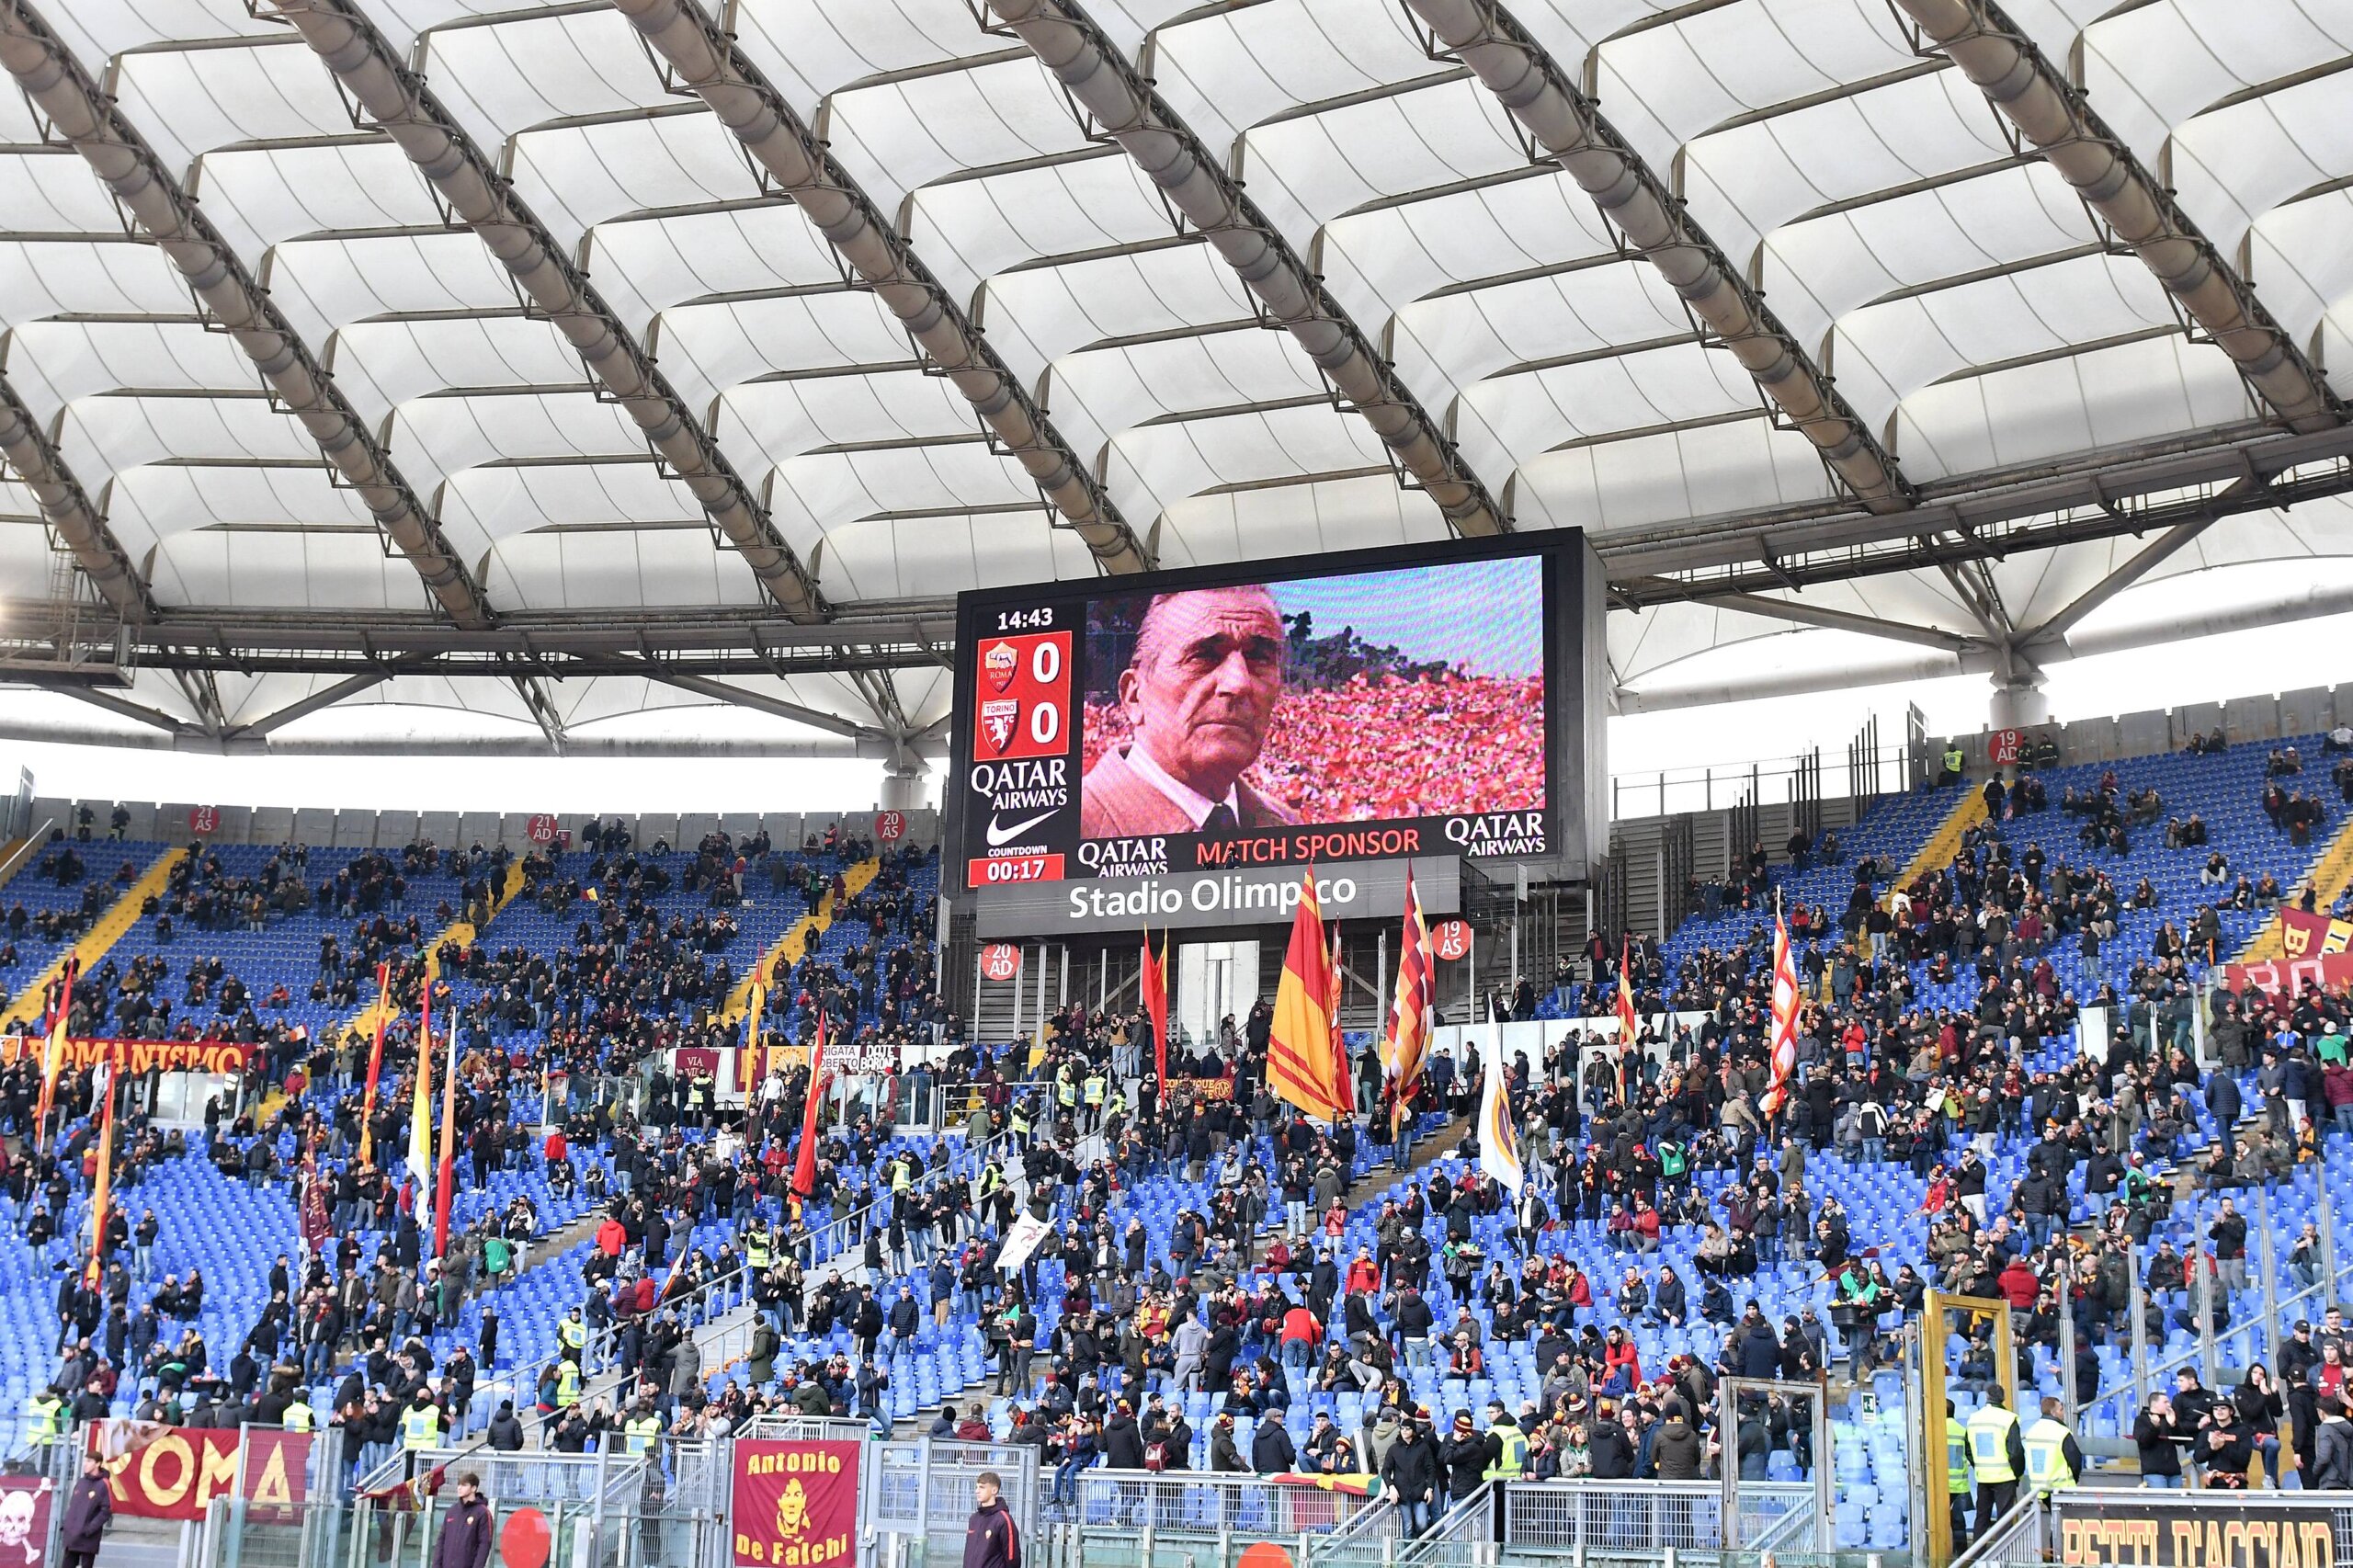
(1217, 722)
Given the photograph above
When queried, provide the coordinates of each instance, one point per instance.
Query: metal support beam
(303, 708)
(87, 118)
(1106, 85)
(396, 99)
(67, 508)
(793, 713)
(202, 689)
(123, 707)
(533, 690)
(2142, 561)
(1844, 620)
(1565, 121)
(1986, 660)
(708, 61)
(2036, 95)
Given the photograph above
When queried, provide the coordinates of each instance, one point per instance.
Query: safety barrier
(920, 1495)
(1640, 1518)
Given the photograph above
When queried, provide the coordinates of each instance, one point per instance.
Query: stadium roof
(562, 372)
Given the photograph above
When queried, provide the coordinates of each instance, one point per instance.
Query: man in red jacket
(1301, 1331)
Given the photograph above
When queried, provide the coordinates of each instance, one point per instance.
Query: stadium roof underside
(640, 375)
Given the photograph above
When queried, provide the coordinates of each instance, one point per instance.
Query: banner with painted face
(796, 1504)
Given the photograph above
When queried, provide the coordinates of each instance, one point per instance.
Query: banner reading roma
(2117, 1529)
(172, 1472)
(141, 1055)
(2312, 948)
(796, 1503)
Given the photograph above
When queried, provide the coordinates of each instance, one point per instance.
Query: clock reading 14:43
(1037, 619)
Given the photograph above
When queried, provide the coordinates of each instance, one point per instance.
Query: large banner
(2313, 952)
(796, 1503)
(140, 1055)
(172, 1472)
(24, 1502)
(2134, 1530)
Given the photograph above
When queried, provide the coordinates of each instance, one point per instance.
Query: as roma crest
(1000, 663)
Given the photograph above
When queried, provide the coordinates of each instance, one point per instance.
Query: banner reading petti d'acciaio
(796, 1503)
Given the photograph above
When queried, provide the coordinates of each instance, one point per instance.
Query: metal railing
(838, 1236)
(2022, 1536)
(1187, 1503)
(1641, 1517)
(920, 1492)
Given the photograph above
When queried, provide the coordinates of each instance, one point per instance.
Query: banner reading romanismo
(2134, 1529)
(795, 1504)
(137, 1056)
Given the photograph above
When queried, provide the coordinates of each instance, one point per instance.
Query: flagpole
(375, 1062)
(449, 1145)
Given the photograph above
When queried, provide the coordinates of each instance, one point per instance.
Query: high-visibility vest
(1989, 1444)
(1956, 1458)
(643, 1431)
(1952, 759)
(298, 1417)
(1513, 1461)
(567, 1385)
(1094, 1090)
(2046, 1456)
(1067, 1091)
(45, 1409)
(1020, 1124)
(421, 1428)
(572, 1333)
(756, 1254)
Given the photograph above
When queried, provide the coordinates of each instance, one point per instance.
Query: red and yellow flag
(375, 1064)
(1153, 984)
(102, 1185)
(804, 1162)
(1406, 1045)
(1784, 1037)
(53, 1062)
(1300, 1058)
(1629, 1026)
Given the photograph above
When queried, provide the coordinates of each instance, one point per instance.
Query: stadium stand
(1998, 1096)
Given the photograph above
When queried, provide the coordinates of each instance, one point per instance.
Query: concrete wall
(2243, 721)
(167, 823)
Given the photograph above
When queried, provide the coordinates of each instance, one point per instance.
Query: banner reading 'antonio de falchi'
(796, 1503)
(136, 1056)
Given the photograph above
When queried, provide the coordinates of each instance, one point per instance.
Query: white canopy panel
(1980, 320)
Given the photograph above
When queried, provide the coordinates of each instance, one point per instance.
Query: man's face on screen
(1208, 673)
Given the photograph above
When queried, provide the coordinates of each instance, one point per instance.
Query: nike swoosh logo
(1001, 836)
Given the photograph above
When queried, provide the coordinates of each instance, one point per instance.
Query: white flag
(1498, 1133)
(1020, 1242)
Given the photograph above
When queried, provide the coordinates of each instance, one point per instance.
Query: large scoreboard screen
(1383, 706)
